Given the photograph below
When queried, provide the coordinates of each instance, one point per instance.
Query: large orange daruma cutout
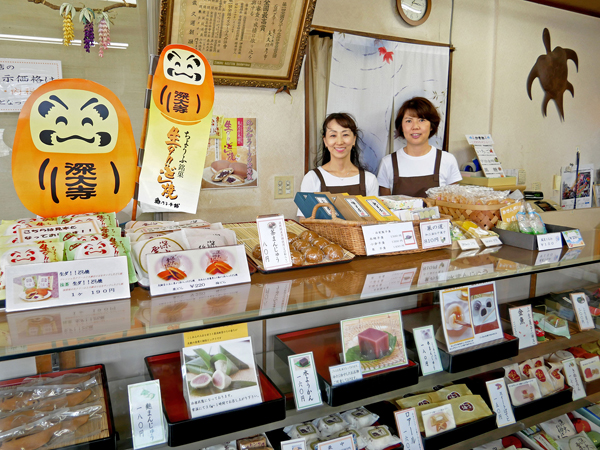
(183, 88)
(74, 150)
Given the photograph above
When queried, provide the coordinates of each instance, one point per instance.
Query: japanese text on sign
(582, 311)
(304, 380)
(389, 237)
(429, 353)
(20, 77)
(345, 373)
(435, 233)
(500, 402)
(521, 319)
(341, 443)
(549, 241)
(408, 429)
(574, 378)
(145, 410)
(199, 337)
(274, 246)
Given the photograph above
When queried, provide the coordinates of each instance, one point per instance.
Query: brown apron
(353, 189)
(415, 186)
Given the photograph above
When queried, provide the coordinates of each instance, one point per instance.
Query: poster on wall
(20, 77)
(231, 156)
(583, 188)
(179, 122)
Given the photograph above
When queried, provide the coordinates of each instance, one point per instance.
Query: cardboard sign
(582, 311)
(408, 429)
(573, 238)
(66, 283)
(574, 378)
(345, 373)
(304, 381)
(521, 320)
(437, 420)
(191, 270)
(500, 402)
(200, 337)
(549, 241)
(148, 425)
(435, 233)
(509, 212)
(389, 237)
(341, 443)
(273, 239)
(491, 241)
(468, 244)
(429, 353)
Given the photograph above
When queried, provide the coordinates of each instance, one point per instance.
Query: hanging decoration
(103, 33)
(86, 17)
(67, 11)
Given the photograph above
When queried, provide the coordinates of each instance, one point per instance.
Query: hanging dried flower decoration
(67, 11)
(103, 32)
(86, 17)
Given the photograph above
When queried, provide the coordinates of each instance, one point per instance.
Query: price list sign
(435, 233)
(389, 238)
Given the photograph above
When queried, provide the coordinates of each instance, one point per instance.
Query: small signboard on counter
(491, 241)
(435, 233)
(521, 320)
(500, 402)
(273, 239)
(574, 378)
(345, 373)
(148, 425)
(341, 443)
(389, 237)
(582, 311)
(304, 381)
(573, 238)
(549, 241)
(429, 353)
(408, 429)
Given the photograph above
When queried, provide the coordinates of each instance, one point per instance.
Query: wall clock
(414, 12)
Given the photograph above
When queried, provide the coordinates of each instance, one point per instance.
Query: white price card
(429, 353)
(389, 237)
(500, 402)
(408, 429)
(145, 410)
(574, 378)
(549, 241)
(548, 257)
(201, 268)
(274, 246)
(38, 233)
(521, 320)
(491, 241)
(66, 283)
(304, 381)
(294, 444)
(341, 443)
(582, 311)
(435, 233)
(275, 297)
(573, 238)
(468, 244)
(397, 281)
(345, 373)
(433, 271)
(437, 420)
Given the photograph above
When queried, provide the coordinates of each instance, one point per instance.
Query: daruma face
(74, 150)
(183, 86)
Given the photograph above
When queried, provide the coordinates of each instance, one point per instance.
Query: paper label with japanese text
(490, 164)
(574, 378)
(201, 268)
(148, 425)
(389, 238)
(549, 241)
(429, 353)
(275, 297)
(304, 381)
(52, 231)
(573, 238)
(345, 373)
(509, 212)
(397, 281)
(192, 338)
(468, 244)
(521, 320)
(491, 241)
(500, 402)
(582, 311)
(341, 443)
(274, 246)
(66, 283)
(479, 139)
(435, 233)
(408, 429)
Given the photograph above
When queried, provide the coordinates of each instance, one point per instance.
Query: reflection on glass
(275, 297)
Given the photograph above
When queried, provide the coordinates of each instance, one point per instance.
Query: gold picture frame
(276, 29)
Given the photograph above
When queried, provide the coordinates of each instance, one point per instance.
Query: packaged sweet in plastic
(449, 393)
(524, 391)
(378, 437)
(468, 408)
(512, 373)
(544, 380)
(331, 424)
(304, 430)
(535, 220)
(360, 417)
(415, 400)
(525, 367)
(359, 442)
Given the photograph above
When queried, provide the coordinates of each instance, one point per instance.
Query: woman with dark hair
(340, 170)
(418, 166)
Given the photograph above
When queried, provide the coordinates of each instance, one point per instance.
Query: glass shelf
(362, 280)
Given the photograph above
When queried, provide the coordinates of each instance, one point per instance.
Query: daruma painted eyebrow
(89, 102)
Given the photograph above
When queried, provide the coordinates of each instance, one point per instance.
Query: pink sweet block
(374, 344)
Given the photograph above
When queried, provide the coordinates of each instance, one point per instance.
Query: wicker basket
(349, 234)
(486, 216)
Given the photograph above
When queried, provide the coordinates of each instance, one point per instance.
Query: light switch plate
(284, 186)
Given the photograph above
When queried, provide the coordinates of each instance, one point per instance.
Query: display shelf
(326, 345)
(184, 430)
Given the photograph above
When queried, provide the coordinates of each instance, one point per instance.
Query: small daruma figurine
(74, 150)
(183, 88)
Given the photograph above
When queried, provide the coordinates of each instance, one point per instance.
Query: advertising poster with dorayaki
(179, 121)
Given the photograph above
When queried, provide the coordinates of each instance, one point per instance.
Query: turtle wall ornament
(552, 70)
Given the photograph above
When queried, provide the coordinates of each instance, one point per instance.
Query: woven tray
(247, 234)
(349, 234)
(486, 216)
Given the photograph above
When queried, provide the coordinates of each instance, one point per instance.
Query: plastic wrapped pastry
(360, 417)
(331, 424)
(378, 437)
(512, 373)
(449, 393)
(524, 392)
(304, 430)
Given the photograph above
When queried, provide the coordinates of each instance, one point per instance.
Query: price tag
(66, 283)
(549, 241)
(148, 425)
(31, 234)
(437, 420)
(468, 244)
(548, 257)
(201, 268)
(341, 443)
(433, 271)
(273, 239)
(275, 297)
(304, 381)
(491, 241)
(397, 281)
(389, 237)
(294, 444)
(435, 233)
(509, 212)
(573, 238)
(199, 337)
(582, 311)
(429, 353)
(521, 319)
(345, 373)
(574, 378)
(500, 402)
(408, 429)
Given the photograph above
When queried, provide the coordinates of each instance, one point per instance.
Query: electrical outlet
(284, 186)
(536, 186)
